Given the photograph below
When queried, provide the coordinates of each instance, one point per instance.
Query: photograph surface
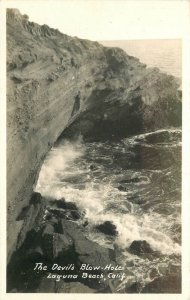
(94, 158)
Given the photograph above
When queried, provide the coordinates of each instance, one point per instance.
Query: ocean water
(136, 184)
(163, 54)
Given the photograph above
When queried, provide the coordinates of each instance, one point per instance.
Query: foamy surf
(98, 177)
(172, 133)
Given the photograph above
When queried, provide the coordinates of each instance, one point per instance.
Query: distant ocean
(164, 54)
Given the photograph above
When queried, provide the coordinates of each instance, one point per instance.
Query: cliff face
(56, 82)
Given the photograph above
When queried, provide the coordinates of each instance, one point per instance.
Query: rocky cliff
(56, 83)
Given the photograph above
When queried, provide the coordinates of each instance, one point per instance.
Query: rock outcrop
(56, 241)
(56, 83)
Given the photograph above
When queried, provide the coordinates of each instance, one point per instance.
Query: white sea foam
(95, 196)
(58, 160)
(141, 138)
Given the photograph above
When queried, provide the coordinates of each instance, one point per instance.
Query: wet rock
(93, 167)
(85, 223)
(62, 243)
(140, 248)
(58, 203)
(108, 228)
(131, 180)
(55, 243)
(136, 199)
(21, 274)
(66, 214)
(72, 215)
(33, 217)
(65, 205)
(23, 213)
(122, 188)
(91, 253)
(87, 251)
(57, 213)
(165, 284)
(154, 274)
(47, 245)
(49, 230)
(70, 228)
(36, 198)
(50, 218)
(34, 252)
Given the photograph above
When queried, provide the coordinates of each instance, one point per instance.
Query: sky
(165, 54)
(116, 21)
(108, 19)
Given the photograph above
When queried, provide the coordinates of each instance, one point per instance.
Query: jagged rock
(70, 205)
(33, 216)
(108, 228)
(66, 214)
(73, 215)
(71, 241)
(61, 243)
(23, 213)
(135, 199)
(55, 243)
(140, 248)
(93, 167)
(34, 252)
(66, 210)
(48, 230)
(85, 223)
(131, 180)
(57, 213)
(87, 251)
(122, 188)
(36, 199)
(61, 203)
